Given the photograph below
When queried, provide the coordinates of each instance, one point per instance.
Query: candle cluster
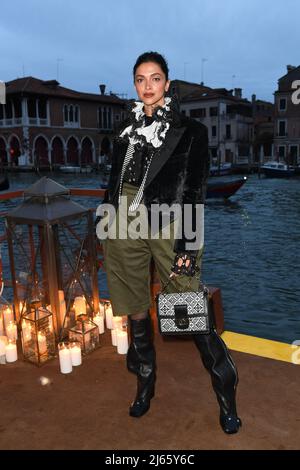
(119, 336)
(69, 356)
(8, 336)
(37, 330)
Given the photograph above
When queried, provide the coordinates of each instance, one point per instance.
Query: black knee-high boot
(224, 377)
(141, 360)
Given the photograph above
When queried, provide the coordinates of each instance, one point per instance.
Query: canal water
(252, 251)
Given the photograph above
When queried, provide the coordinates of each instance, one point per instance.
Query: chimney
(290, 68)
(253, 98)
(238, 92)
(102, 88)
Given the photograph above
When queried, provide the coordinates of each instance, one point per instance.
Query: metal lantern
(38, 338)
(86, 333)
(52, 253)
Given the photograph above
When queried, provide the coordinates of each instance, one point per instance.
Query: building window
(294, 153)
(8, 110)
(198, 113)
(66, 113)
(105, 117)
(71, 115)
(214, 131)
(228, 131)
(109, 118)
(282, 104)
(100, 122)
(282, 128)
(31, 104)
(281, 151)
(18, 108)
(42, 109)
(213, 111)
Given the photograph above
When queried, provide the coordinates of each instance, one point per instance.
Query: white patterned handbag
(183, 312)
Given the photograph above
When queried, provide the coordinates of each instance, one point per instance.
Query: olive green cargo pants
(127, 264)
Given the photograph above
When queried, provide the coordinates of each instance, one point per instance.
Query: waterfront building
(287, 117)
(44, 125)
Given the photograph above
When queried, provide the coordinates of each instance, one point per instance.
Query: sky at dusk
(230, 43)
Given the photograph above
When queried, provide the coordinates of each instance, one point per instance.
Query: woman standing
(159, 157)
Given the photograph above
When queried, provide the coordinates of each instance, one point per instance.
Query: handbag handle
(190, 280)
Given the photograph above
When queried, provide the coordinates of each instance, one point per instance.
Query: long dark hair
(152, 56)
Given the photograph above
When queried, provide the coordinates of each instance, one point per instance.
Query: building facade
(263, 130)
(229, 120)
(287, 117)
(46, 125)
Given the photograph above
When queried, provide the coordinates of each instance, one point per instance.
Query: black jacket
(179, 175)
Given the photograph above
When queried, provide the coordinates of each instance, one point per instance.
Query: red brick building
(44, 124)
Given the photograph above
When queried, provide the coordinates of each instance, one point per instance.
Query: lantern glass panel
(86, 333)
(38, 339)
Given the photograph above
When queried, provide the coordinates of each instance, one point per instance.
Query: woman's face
(151, 84)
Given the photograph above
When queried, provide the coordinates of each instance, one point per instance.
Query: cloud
(99, 41)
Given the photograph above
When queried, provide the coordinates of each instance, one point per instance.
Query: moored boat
(275, 169)
(75, 169)
(224, 189)
(224, 168)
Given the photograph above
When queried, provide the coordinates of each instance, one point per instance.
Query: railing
(73, 191)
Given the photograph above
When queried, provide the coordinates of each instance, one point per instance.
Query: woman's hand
(183, 264)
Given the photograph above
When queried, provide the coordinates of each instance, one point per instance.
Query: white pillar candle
(65, 361)
(3, 343)
(1, 325)
(122, 341)
(11, 331)
(8, 316)
(42, 343)
(114, 337)
(80, 306)
(109, 317)
(99, 320)
(11, 354)
(26, 330)
(75, 354)
(117, 322)
(101, 309)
